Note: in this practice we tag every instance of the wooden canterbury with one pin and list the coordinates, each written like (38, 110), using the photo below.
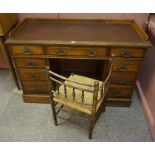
(80, 93)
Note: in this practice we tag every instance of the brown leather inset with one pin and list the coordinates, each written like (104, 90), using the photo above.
(77, 32)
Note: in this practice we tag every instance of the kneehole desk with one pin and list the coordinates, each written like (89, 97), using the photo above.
(80, 46)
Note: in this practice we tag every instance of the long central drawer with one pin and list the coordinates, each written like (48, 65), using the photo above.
(86, 52)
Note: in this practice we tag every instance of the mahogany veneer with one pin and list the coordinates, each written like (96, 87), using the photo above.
(85, 45)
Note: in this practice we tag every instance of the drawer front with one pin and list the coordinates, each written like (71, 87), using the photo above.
(29, 63)
(27, 50)
(118, 102)
(77, 52)
(117, 91)
(127, 53)
(36, 98)
(33, 75)
(35, 87)
(124, 66)
(123, 78)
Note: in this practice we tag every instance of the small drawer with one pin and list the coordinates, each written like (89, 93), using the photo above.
(35, 87)
(127, 53)
(27, 50)
(77, 52)
(123, 78)
(29, 63)
(119, 102)
(33, 75)
(117, 91)
(125, 66)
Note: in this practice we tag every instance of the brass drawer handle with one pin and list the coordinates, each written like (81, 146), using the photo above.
(31, 64)
(116, 94)
(91, 53)
(27, 50)
(123, 68)
(60, 52)
(126, 54)
(34, 77)
(121, 81)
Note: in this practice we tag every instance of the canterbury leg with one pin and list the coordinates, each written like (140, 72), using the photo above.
(93, 120)
(54, 114)
(103, 106)
(103, 109)
(91, 127)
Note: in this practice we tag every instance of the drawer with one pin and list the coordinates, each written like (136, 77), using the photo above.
(118, 102)
(117, 91)
(123, 66)
(27, 50)
(33, 74)
(127, 52)
(29, 63)
(36, 98)
(77, 52)
(35, 87)
(123, 78)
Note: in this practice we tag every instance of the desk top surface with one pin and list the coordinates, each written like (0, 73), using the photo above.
(78, 31)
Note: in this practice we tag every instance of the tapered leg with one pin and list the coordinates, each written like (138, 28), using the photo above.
(90, 134)
(91, 127)
(54, 114)
(103, 109)
(93, 120)
(103, 106)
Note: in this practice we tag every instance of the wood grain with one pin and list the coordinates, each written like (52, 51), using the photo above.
(26, 50)
(29, 63)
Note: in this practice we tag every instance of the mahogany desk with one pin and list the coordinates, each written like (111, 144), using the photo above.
(81, 46)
